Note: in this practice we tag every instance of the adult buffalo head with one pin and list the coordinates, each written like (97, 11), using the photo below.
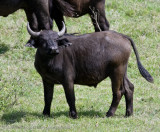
(46, 40)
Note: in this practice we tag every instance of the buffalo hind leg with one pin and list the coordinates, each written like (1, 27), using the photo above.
(58, 20)
(100, 22)
(57, 15)
(32, 19)
(48, 96)
(117, 89)
(70, 96)
(129, 89)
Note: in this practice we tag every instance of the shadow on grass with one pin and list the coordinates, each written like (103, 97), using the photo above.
(90, 113)
(3, 48)
(16, 116)
(13, 117)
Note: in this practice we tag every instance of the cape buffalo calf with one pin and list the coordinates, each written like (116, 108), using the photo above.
(90, 59)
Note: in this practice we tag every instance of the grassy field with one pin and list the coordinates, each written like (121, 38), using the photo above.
(21, 92)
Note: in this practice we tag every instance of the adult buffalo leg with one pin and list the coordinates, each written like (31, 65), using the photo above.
(129, 89)
(100, 22)
(38, 18)
(48, 96)
(58, 20)
(42, 14)
(58, 17)
(117, 89)
(70, 96)
(32, 19)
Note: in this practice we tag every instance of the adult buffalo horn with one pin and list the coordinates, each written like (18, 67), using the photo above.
(32, 33)
(62, 31)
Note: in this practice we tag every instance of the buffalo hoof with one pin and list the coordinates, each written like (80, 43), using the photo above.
(109, 114)
(73, 115)
(128, 113)
(46, 113)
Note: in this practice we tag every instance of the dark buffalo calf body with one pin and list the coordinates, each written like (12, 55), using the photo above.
(90, 59)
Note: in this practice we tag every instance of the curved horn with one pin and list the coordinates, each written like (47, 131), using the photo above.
(62, 31)
(32, 33)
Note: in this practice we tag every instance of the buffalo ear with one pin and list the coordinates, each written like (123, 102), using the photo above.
(64, 42)
(31, 43)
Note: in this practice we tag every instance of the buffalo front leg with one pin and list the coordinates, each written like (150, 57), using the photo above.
(70, 96)
(48, 96)
(41, 11)
(31, 17)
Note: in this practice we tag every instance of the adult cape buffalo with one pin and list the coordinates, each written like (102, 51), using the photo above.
(90, 59)
(95, 8)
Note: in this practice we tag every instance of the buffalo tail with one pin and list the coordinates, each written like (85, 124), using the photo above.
(142, 70)
(66, 8)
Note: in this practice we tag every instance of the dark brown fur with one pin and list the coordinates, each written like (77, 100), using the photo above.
(80, 8)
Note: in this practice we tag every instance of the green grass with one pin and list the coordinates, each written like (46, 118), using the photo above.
(21, 92)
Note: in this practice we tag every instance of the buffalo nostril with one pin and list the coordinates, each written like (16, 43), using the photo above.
(57, 51)
(53, 48)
